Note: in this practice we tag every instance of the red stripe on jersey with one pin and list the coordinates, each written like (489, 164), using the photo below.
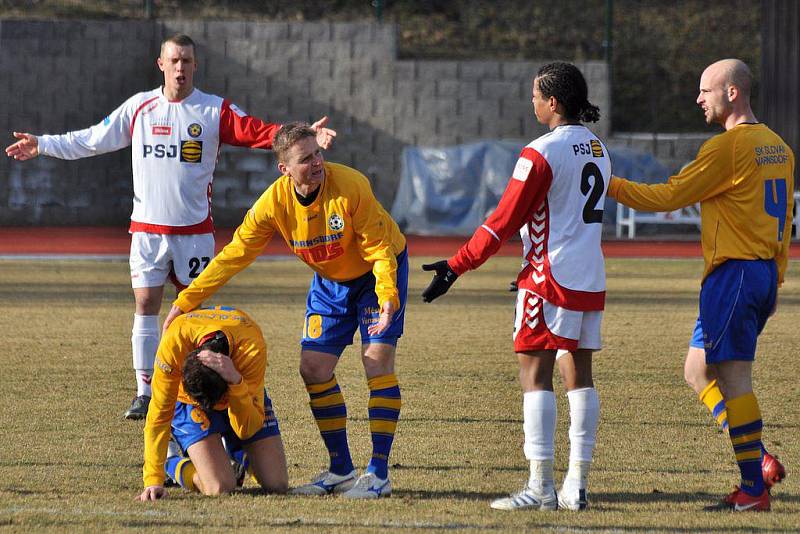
(205, 227)
(526, 189)
(136, 113)
(245, 131)
(538, 278)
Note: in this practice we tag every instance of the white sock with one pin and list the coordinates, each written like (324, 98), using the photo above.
(539, 424)
(144, 342)
(584, 414)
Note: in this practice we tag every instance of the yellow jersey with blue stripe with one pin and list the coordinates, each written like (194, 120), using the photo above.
(744, 181)
(342, 235)
(244, 401)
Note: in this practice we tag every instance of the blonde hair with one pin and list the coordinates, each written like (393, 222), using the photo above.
(289, 134)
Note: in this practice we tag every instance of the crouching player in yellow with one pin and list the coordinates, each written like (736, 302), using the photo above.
(330, 219)
(208, 390)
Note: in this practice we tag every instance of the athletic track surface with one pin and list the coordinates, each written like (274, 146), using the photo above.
(115, 241)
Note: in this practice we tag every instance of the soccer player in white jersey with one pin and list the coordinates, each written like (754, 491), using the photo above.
(555, 200)
(175, 132)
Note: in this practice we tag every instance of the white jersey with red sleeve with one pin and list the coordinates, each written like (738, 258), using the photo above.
(174, 149)
(555, 200)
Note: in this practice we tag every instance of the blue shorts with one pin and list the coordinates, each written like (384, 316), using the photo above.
(735, 302)
(190, 425)
(335, 310)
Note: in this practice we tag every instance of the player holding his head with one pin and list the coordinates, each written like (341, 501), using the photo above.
(330, 219)
(744, 180)
(208, 391)
(175, 132)
(554, 199)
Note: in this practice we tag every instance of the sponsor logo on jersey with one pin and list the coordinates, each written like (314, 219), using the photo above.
(522, 169)
(597, 148)
(320, 253)
(307, 243)
(192, 151)
(592, 148)
(335, 222)
(159, 151)
(194, 130)
(161, 130)
(237, 110)
(163, 366)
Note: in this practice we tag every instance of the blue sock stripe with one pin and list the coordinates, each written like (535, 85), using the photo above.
(750, 446)
(718, 409)
(330, 412)
(749, 428)
(170, 465)
(332, 391)
(338, 431)
(386, 414)
(390, 393)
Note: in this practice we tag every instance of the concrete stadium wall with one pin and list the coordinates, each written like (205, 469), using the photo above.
(57, 76)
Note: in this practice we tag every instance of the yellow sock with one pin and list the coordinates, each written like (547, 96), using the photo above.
(186, 471)
(711, 396)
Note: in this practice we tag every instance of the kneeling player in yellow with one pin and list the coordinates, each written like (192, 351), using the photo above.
(208, 388)
(331, 220)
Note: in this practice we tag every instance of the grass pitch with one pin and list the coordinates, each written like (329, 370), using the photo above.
(68, 461)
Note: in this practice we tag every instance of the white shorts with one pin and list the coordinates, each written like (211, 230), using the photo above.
(157, 257)
(540, 325)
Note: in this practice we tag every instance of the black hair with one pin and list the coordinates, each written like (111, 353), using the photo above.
(201, 383)
(566, 83)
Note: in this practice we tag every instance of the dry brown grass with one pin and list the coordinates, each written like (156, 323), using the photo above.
(69, 461)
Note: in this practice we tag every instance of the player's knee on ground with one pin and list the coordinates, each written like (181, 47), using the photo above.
(276, 483)
(268, 464)
(215, 486)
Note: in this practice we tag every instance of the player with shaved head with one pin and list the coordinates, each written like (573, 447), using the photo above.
(744, 181)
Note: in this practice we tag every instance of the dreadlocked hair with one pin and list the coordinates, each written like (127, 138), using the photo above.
(566, 83)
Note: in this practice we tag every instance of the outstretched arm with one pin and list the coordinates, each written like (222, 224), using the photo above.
(26, 148)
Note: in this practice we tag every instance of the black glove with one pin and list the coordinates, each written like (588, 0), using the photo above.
(441, 282)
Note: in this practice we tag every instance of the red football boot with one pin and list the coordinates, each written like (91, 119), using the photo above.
(772, 470)
(739, 501)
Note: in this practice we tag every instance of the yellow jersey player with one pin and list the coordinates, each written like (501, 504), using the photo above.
(743, 179)
(330, 219)
(208, 390)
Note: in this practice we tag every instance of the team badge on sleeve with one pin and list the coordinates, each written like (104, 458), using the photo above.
(163, 366)
(522, 169)
(237, 110)
(194, 129)
(335, 222)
